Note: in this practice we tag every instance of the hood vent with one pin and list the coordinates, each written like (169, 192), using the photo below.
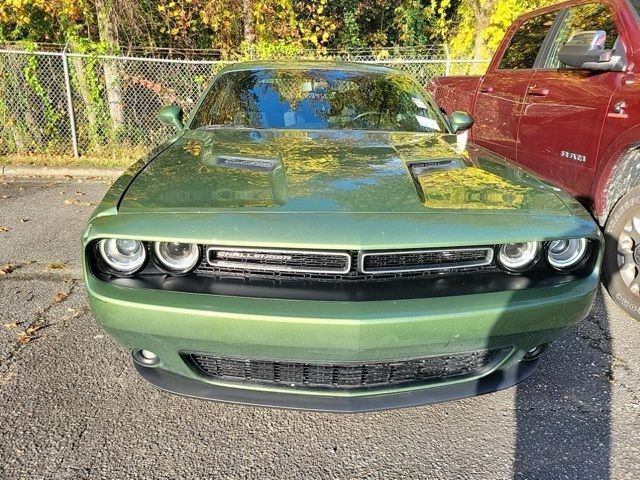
(419, 168)
(252, 164)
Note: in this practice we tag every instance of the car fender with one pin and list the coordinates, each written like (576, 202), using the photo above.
(110, 203)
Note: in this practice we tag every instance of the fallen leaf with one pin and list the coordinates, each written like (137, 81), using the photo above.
(6, 378)
(57, 266)
(5, 196)
(3, 229)
(6, 269)
(74, 201)
(79, 193)
(24, 338)
(24, 220)
(29, 334)
(61, 297)
(10, 325)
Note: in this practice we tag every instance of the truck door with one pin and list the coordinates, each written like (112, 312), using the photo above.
(501, 93)
(565, 108)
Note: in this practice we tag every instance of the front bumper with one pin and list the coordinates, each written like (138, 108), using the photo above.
(180, 385)
(168, 323)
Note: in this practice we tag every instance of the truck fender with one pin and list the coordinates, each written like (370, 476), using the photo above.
(620, 172)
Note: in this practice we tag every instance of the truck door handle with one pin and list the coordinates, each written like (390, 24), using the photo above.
(486, 89)
(538, 91)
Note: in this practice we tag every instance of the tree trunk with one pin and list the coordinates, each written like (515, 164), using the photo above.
(248, 20)
(108, 33)
(482, 14)
(88, 107)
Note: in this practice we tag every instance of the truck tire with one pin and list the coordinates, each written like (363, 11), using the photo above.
(621, 263)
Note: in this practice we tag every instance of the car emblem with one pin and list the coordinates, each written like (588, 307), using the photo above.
(252, 256)
(573, 156)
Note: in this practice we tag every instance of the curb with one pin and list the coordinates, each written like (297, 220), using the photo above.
(37, 171)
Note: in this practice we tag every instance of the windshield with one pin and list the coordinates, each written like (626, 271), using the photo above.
(318, 99)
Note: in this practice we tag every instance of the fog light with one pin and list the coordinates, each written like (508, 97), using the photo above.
(146, 358)
(148, 355)
(535, 352)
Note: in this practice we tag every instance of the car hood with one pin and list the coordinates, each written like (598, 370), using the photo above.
(293, 171)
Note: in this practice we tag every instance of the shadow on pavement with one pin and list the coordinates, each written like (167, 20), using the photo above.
(562, 411)
(563, 423)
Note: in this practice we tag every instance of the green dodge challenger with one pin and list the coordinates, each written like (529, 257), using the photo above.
(318, 236)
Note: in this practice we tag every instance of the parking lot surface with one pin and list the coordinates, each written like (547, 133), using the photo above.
(71, 405)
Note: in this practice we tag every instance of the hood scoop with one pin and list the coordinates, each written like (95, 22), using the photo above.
(421, 168)
(247, 163)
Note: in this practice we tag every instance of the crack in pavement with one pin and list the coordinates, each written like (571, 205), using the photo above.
(615, 362)
(39, 322)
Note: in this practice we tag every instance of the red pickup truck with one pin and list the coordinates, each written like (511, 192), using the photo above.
(561, 98)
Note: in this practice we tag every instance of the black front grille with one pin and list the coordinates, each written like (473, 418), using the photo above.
(342, 266)
(286, 261)
(387, 262)
(343, 376)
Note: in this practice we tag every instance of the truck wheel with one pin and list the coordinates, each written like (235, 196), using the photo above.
(621, 264)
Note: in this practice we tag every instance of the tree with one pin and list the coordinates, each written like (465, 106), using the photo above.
(108, 33)
(248, 21)
(481, 25)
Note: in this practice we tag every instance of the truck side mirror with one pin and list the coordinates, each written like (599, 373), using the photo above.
(171, 115)
(460, 121)
(586, 50)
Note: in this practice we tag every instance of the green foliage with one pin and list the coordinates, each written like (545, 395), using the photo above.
(51, 115)
(283, 29)
(316, 24)
(86, 78)
(350, 35)
(483, 23)
(473, 27)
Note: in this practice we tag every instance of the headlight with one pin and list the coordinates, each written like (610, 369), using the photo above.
(177, 257)
(122, 255)
(568, 253)
(517, 257)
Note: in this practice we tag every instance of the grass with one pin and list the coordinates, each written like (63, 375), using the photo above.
(53, 160)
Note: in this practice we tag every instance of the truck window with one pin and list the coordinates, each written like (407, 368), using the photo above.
(592, 16)
(526, 42)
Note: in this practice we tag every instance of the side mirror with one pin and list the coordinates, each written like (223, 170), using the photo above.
(586, 50)
(460, 121)
(171, 115)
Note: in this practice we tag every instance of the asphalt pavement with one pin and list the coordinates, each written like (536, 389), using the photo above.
(72, 406)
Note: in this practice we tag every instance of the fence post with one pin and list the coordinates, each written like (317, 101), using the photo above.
(447, 65)
(67, 84)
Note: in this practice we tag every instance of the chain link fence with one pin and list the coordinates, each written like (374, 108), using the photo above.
(65, 103)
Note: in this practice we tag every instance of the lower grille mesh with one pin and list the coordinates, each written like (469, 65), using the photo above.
(343, 376)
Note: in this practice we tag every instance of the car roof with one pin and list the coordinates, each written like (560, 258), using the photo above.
(311, 65)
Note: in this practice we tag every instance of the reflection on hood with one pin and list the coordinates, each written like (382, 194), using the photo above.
(249, 170)
(470, 187)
